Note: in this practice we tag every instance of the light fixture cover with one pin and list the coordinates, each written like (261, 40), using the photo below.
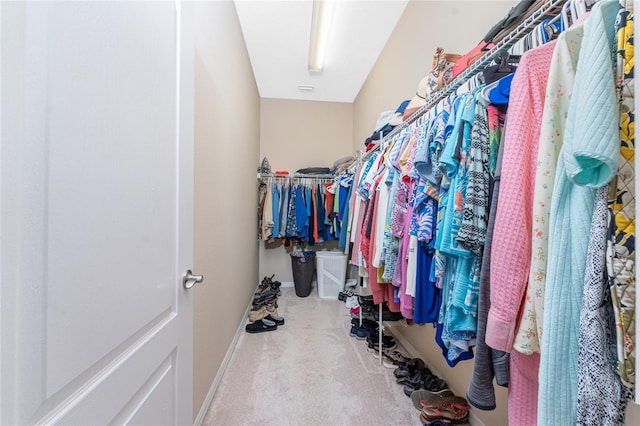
(320, 27)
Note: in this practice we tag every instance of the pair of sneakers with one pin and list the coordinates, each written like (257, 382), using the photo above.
(363, 331)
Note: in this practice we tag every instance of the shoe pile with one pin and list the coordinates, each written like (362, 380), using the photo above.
(263, 315)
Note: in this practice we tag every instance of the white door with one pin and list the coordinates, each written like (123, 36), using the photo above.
(96, 212)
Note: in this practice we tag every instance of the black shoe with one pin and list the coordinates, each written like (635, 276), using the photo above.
(373, 347)
(365, 332)
(417, 381)
(409, 368)
(277, 320)
(434, 383)
(388, 340)
(365, 323)
(366, 301)
(261, 326)
(354, 331)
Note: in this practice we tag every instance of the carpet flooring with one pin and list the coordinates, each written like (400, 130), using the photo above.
(308, 372)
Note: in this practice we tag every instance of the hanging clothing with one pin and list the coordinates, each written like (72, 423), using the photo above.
(602, 397)
(473, 228)
(275, 212)
(589, 159)
(267, 215)
(621, 242)
(558, 94)
(489, 363)
(511, 245)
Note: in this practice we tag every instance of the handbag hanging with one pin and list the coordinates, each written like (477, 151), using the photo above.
(470, 57)
(440, 75)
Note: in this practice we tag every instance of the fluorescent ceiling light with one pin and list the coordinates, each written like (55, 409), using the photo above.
(320, 27)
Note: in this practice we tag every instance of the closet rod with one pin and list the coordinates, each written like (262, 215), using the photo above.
(545, 10)
(296, 176)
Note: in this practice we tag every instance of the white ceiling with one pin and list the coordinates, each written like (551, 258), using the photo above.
(277, 37)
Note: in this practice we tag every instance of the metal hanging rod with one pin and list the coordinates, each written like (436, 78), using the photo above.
(544, 11)
(296, 176)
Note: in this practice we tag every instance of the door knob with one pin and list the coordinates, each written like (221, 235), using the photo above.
(189, 280)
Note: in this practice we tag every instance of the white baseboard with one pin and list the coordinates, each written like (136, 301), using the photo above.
(291, 284)
(474, 420)
(223, 367)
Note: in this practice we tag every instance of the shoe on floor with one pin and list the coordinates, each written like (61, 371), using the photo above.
(375, 347)
(261, 326)
(365, 323)
(434, 384)
(276, 319)
(373, 338)
(448, 408)
(422, 397)
(365, 332)
(257, 314)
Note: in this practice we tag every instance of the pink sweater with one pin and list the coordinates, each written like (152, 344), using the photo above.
(511, 245)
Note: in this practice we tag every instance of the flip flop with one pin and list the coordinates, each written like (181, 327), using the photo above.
(422, 397)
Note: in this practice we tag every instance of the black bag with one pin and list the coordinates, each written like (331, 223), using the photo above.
(515, 12)
(315, 171)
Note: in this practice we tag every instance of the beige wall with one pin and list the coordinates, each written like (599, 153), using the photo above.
(298, 134)
(227, 115)
(457, 27)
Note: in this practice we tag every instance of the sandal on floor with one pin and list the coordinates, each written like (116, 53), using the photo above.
(422, 397)
(450, 408)
(261, 326)
(409, 368)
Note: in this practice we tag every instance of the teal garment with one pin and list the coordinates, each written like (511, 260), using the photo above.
(453, 213)
(449, 166)
(588, 159)
(461, 310)
(275, 210)
(450, 160)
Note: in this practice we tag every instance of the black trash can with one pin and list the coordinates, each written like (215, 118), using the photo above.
(303, 269)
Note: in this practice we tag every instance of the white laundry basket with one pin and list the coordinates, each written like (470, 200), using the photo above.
(332, 273)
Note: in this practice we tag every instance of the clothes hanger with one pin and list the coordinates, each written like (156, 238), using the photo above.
(552, 27)
(536, 36)
(566, 15)
(580, 7)
(506, 63)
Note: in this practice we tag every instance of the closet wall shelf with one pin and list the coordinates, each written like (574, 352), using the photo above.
(548, 9)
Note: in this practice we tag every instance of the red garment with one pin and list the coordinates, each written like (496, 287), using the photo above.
(328, 204)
